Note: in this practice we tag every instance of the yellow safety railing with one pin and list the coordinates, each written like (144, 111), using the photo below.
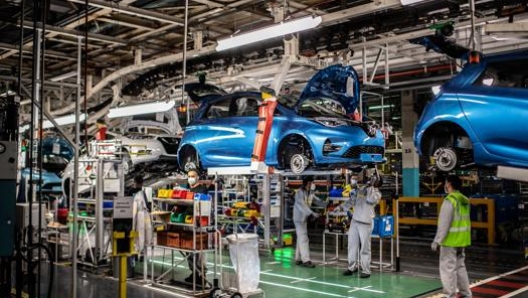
(489, 225)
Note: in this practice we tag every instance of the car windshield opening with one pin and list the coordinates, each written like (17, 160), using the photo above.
(321, 107)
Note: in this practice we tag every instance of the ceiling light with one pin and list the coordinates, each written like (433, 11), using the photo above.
(410, 2)
(276, 30)
(64, 120)
(141, 109)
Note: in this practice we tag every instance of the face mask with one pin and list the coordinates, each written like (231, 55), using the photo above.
(192, 180)
(446, 190)
(312, 187)
(353, 181)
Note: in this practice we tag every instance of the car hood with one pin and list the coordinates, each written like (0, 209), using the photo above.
(338, 82)
(199, 92)
(443, 45)
(57, 146)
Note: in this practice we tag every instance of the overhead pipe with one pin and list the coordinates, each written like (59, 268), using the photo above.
(135, 68)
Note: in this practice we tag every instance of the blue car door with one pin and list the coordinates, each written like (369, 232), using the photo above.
(215, 135)
(244, 111)
(496, 107)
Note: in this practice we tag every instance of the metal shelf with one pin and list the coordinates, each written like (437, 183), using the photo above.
(176, 201)
(183, 249)
(91, 201)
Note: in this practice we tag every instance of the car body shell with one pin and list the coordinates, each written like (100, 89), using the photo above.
(142, 149)
(493, 117)
(229, 141)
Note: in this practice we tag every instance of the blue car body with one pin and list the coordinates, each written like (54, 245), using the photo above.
(316, 126)
(56, 153)
(479, 116)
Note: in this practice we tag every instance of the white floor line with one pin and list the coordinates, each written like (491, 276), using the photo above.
(301, 280)
(302, 289)
(498, 276)
(267, 272)
(367, 288)
(519, 291)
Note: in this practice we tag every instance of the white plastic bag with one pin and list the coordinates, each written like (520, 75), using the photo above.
(243, 250)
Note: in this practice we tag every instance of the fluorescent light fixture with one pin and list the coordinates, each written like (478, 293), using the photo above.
(410, 2)
(276, 30)
(141, 109)
(64, 120)
(379, 107)
(64, 76)
(436, 89)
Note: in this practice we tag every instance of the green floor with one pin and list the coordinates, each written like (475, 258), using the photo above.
(281, 278)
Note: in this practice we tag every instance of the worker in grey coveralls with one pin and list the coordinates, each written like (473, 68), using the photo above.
(453, 235)
(363, 199)
(301, 213)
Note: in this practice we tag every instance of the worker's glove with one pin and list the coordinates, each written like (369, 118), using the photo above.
(434, 246)
(338, 208)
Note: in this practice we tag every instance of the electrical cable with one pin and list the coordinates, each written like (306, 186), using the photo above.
(50, 257)
(18, 261)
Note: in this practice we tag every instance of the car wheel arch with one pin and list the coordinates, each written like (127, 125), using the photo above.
(283, 142)
(183, 151)
(444, 129)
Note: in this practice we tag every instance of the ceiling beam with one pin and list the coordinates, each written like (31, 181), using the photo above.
(133, 11)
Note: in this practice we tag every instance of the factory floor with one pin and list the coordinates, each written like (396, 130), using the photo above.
(279, 277)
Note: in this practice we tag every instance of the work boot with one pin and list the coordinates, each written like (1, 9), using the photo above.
(308, 264)
(364, 275)
(189, 278)
(298, 262)
(350, 272)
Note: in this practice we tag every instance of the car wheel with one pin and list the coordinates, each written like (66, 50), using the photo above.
(191, 160)
(298, 163)
(446, 159)
(128, 166)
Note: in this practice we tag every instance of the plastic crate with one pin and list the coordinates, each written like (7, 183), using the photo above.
(179, 194)
(201, 197)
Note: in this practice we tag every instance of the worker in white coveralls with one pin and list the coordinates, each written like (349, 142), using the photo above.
(301, 213)
(142, 218)
(453, 235)
(363, 199)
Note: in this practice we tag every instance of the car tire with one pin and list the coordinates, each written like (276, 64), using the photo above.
(446, 159)
(128, 166)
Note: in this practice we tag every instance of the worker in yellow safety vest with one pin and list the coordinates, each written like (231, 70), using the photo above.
(453, 235)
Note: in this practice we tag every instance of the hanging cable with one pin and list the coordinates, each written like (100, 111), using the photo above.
(44, 17)
(34, 94)
(18, 259)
